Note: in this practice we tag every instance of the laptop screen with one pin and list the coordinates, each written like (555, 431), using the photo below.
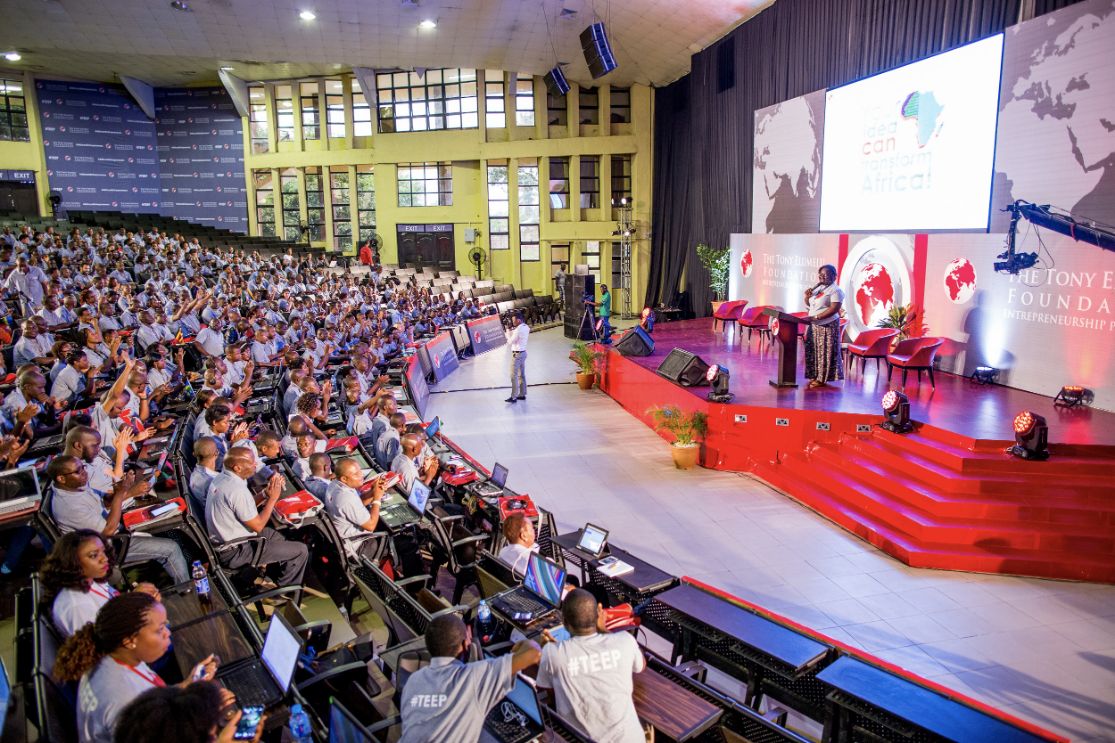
(499, 475)
(419, 494)
(545, 579)
(16, 483)
(433, 428)
(281, 648)
(592, 539)
(344, 728)
(5, 694)
(524, 697)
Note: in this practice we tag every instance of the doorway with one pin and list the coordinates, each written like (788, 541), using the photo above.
(426, 245)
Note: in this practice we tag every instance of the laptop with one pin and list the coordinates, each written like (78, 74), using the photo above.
(518, 717)
(594, 540)
(46, 443)
(540, 593)
(344, 727)
(19, 490)
(493, 486)
(264, 681)
(5, 695)
(396, 513)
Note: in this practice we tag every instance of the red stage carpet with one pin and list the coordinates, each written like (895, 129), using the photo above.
(945, 496)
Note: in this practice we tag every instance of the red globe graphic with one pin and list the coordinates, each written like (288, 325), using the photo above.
(960, 280)
(746, 262)
(874, 293)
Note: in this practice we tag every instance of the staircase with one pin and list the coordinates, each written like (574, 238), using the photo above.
(935, 499)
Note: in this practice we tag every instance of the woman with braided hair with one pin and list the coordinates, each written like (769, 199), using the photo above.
(110, 657)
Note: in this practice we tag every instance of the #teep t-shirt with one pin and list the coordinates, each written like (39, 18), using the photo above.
(448, 700)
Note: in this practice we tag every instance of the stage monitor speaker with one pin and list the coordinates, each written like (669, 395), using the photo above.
(556, 84)
(598, 53)
(684, 367)
(636, 342)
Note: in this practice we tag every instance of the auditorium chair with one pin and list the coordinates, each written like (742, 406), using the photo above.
(871, 344)
(914, 353)
(753, 319)
(728, 311)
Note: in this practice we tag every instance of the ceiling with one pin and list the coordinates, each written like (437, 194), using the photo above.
(265, 39)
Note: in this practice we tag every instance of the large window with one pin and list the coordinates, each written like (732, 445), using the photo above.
(311, 111)
(13, 112)
(439, 99)
(499, 208)
(315, 204)
(590, 106)
(590, 181)
(621, 178)
(621, 106)
(591, 257)
(335, 108)
(559, 182)
(361, 112)
(557, 111)
(292, 219)
(284, 112)
(257, 118)
(529, 213)
(265, 202)
(342, 212)
(495, 110)
(524, 100)
(425, 184)
(365, 200)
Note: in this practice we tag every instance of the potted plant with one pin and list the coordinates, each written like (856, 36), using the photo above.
(906, 319)
(586, 358)
(715, 261)
(686, 426)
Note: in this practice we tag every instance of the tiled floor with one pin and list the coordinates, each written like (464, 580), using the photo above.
(1043, 650)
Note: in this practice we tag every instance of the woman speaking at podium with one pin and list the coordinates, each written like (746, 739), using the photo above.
(823, 363)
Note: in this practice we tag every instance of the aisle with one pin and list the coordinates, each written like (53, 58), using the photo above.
(1043, 650)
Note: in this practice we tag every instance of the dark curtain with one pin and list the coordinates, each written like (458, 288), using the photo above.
(703, 135)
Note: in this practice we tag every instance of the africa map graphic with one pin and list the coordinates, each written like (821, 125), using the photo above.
(926, 111)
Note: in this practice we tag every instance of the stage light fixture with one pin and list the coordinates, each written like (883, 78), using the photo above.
(1073, 395)
(718, 376)
(13, 56)
(1031, 436)
(307, 15)
(984, 375)
(428, 24)
(896, 410)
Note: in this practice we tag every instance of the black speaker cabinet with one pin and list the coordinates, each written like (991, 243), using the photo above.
(598, 53)
(556, 84)
(685, 368)
(576, 288)
(636, 342)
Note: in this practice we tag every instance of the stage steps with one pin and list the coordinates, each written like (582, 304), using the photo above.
(932, 499)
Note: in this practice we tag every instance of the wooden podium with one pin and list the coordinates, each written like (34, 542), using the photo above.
(787, 340)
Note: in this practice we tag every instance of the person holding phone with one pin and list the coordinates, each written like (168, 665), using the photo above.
(109, 658)
(200, 713)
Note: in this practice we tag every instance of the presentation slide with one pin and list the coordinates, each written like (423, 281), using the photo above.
(913, 149)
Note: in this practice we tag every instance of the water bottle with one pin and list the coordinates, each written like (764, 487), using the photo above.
(484, 622)
(300, 728)
(201, 582)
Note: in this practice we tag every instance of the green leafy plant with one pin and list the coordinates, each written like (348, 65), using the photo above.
(686, 426)
(585, 357)
(715, 260)
(906, 319)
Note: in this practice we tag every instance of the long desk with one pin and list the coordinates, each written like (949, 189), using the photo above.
(772, 658)
(879, 696)
(643, 582)
(673, 710)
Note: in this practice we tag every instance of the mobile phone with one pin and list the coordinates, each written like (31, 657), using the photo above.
(249, 721)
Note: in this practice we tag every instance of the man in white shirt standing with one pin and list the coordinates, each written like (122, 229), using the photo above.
(518, 340)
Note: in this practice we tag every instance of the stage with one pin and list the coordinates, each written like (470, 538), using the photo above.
(944, 496)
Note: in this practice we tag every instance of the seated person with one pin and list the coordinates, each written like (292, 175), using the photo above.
(75, 506)
(389, 443)
(110, 657)
(104, 470)
(75, 380)
(321, 474)
(32, 346)
(206, 453)
(231, 513)
(406, 466)
(74, 580)
(354, 514)
(306, 444)
(448, 700)
(200, 713)
(591, 673)
(518, 530)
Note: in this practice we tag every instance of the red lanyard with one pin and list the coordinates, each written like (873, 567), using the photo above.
(153, 679)
(106, 594)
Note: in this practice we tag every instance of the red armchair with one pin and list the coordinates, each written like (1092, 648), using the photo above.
(753, 319)
(871, 344)
(914, 353)
(728, 311)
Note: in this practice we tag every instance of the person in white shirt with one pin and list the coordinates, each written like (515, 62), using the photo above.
(32, 346)
(29, 283)
(352, 513)
(518, 341)
(74, 580)
(521, 544)
(211, 341)
(321, 474)
(75, 379)
(205, 453)
(406, 465)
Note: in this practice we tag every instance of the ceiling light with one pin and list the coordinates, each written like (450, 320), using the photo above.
(180, 5)
(227, 68)
(13, 56)
(428, 24)
(308, 15)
